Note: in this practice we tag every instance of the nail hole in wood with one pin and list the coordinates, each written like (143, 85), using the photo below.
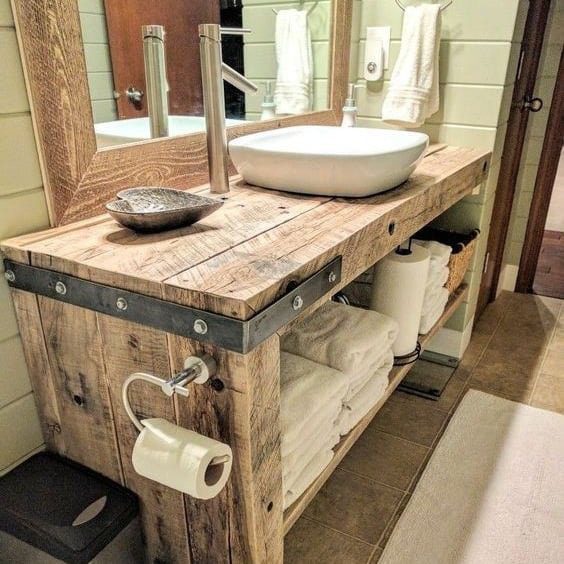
(78, 400)
(269, 507)
(485, 167)
(392, 228)
(217, 385)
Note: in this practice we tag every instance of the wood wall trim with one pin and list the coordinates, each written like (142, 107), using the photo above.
(544, 184)
(80, 179)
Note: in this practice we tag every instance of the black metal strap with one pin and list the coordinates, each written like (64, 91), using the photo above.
(226, 332)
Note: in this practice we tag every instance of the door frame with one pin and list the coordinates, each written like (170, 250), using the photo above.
(525, 82)
(544, 184)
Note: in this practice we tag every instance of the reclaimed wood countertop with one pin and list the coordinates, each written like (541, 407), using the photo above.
(241, 258)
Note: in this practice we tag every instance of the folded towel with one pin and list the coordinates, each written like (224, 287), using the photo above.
(308, 392)
(346, 338)
(323, 419)
(440, 254)
(437, 278)
(294, 83)
(430, 318)
(293, 465)
(413, 95)
(358, 406)
(308, 475)
(433, 300)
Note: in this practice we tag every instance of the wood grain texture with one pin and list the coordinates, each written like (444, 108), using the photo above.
(78, 375)
(292, 514)
(244, 522)
(128, 348)
(79, 179)
(55, 68)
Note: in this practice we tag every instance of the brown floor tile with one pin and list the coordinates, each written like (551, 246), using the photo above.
(309, 542)
(386, 459)
(417, 422)
(354, 505)
(376, 555)
(549, 393)
(393, 522)
(554, 360)
(507, 372)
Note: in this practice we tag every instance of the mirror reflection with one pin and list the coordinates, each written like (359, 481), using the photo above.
(146, 53)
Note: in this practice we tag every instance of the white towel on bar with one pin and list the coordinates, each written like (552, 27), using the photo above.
(309, 393)
(429, 318)
(294, 82)
(413, 94)
(319, 462)
(358, 406)
(292, 466)
(347, 338)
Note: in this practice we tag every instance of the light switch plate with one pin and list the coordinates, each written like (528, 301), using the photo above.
(383, 34)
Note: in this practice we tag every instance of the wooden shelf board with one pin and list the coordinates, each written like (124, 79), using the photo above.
(293, 512)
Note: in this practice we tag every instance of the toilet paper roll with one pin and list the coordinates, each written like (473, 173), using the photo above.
(181, 459)
(398, 291)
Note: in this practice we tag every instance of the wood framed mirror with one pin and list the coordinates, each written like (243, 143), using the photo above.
(80, 178)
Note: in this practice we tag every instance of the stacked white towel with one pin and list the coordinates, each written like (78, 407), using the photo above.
(355, 341)
(436, 295)
(294, 82)
(310, 403)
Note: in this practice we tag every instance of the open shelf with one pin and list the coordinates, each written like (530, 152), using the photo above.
(293, 512)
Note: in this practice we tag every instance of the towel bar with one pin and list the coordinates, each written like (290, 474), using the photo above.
(444, 7)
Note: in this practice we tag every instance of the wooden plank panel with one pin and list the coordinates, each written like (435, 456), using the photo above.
(244, 522)
(255, 273)
(127, 348)
(75, 356)
(35, 351)
(292, 514)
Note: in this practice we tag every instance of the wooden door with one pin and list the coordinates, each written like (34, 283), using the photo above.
(511, 158)
(180, 19)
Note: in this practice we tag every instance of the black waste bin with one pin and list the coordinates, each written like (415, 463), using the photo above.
(53, 510)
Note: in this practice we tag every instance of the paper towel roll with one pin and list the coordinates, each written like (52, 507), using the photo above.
(181, 459)
(398, 291)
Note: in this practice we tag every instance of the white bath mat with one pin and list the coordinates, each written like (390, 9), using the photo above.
(492, 493)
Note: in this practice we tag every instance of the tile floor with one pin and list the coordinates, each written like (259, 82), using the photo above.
(517, 352)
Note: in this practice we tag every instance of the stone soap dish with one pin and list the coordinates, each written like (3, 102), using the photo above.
(149, 210)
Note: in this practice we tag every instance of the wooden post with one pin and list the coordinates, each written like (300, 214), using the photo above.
(241, 407)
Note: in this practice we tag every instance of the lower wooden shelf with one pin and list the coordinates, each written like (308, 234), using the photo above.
(293, 512)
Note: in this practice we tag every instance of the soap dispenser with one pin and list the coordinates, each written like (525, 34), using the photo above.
(268, 106)
(350, 110)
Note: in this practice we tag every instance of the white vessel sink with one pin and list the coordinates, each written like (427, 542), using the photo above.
(330, 161)
(124, 131)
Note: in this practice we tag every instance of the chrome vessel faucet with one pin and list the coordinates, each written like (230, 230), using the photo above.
(214, 71)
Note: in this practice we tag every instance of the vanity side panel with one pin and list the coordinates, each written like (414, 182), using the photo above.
(128, 348)
(35, 352)
(244, 523)
(74, 349)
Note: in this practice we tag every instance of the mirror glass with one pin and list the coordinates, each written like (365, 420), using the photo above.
(286, 55)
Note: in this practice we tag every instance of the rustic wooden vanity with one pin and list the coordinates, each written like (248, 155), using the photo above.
(239, 272)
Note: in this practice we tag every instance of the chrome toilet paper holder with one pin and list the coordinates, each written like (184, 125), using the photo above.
(196, 369)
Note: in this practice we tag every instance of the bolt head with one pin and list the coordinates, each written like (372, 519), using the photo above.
(60, 288)
(298, 303)
(121, 304)
(332, 277)
(200, 327)
(10, 276)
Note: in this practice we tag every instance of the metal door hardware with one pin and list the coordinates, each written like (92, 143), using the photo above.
(532, 104)
(226, 332)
